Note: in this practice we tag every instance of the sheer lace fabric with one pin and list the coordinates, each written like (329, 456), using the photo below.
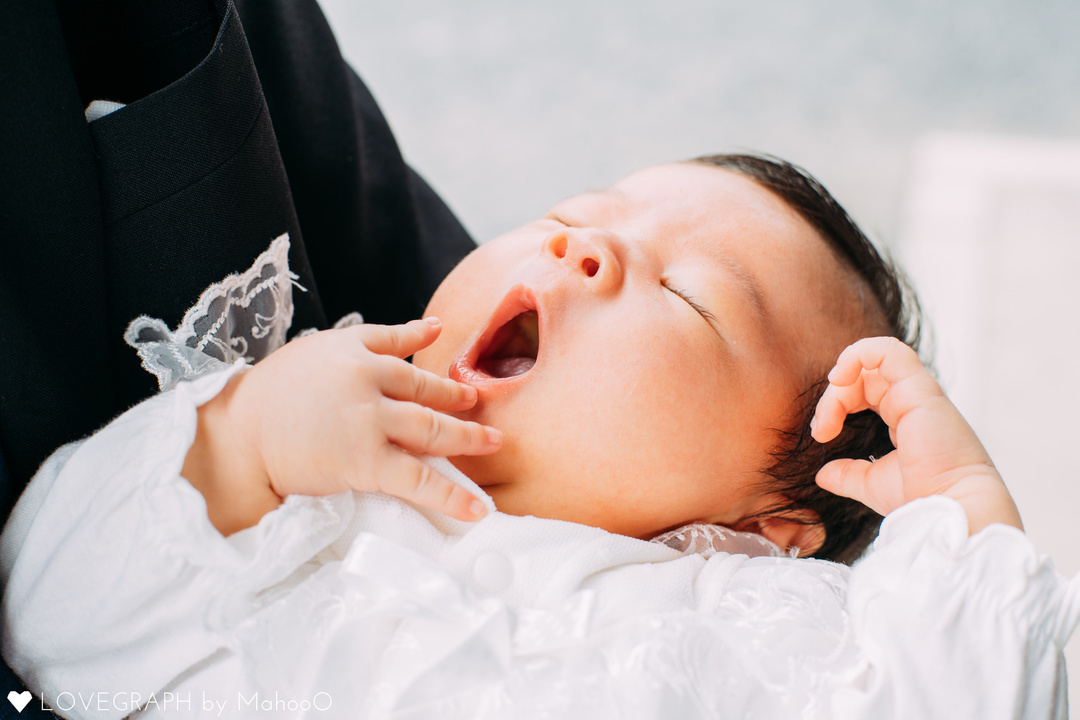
(245, 316)
(707, 540)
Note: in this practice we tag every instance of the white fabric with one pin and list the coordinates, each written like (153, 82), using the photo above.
(100, 108)
(119, 592)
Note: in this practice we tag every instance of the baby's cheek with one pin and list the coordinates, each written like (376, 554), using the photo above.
(430, 359)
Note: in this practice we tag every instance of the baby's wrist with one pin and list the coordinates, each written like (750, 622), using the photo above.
(235, 487)
(986, 502)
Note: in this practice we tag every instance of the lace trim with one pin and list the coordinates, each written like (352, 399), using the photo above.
(353, 318)
(707, 540)
(245, 316)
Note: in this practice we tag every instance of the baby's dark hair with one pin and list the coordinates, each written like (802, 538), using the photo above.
(849, 525)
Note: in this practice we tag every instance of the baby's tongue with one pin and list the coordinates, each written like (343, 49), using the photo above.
(510, 366)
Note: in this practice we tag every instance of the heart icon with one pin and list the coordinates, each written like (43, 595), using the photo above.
(19, 700)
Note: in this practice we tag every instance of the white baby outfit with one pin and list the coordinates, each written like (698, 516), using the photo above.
(121, 594)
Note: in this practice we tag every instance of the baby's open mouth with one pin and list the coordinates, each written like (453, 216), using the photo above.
(507, 349)
(513, 349)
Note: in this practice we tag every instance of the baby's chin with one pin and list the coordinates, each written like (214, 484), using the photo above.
(513, 499)
(492, 474)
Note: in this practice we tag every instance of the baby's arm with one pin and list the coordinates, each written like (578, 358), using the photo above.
(331, 412)
(937, 452)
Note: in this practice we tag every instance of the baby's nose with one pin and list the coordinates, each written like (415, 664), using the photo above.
(592, 253)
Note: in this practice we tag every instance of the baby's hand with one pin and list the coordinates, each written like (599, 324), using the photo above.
(334, 411)
(937, 452)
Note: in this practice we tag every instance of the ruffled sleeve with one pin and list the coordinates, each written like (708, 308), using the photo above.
(115, 578)
(957, 626)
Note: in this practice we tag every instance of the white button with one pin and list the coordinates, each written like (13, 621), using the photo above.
(493, 571)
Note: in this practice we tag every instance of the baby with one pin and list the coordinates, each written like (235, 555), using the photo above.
(641, 358)
(706, 342)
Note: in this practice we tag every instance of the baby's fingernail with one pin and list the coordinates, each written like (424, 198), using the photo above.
(494, 437)
(433, 321)
(477, 509)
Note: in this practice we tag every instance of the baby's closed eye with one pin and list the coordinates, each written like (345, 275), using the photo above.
(689, 300)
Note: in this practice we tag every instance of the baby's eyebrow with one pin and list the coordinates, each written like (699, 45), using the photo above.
(748, 282)
(604, 189)
(610, 190)
(604, 192)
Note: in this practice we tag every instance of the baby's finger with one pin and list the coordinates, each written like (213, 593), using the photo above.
(398, 340)
(401, 380)
(845, 477)
(406, 477)
(893, 360)
(874, 484)
(900, 381)
(836, 403)
(422, 430)
(874, 387)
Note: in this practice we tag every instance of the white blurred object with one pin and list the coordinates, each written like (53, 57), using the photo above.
(991, 240)
(98, 109)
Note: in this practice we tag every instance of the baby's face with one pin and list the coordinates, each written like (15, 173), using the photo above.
(639, 346)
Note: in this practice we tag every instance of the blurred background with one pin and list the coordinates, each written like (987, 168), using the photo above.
(950, 131)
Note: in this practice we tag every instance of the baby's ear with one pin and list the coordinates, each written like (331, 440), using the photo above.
(800, 529)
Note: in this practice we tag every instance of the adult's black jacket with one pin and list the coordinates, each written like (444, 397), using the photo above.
(243, 123)
(138, 211)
